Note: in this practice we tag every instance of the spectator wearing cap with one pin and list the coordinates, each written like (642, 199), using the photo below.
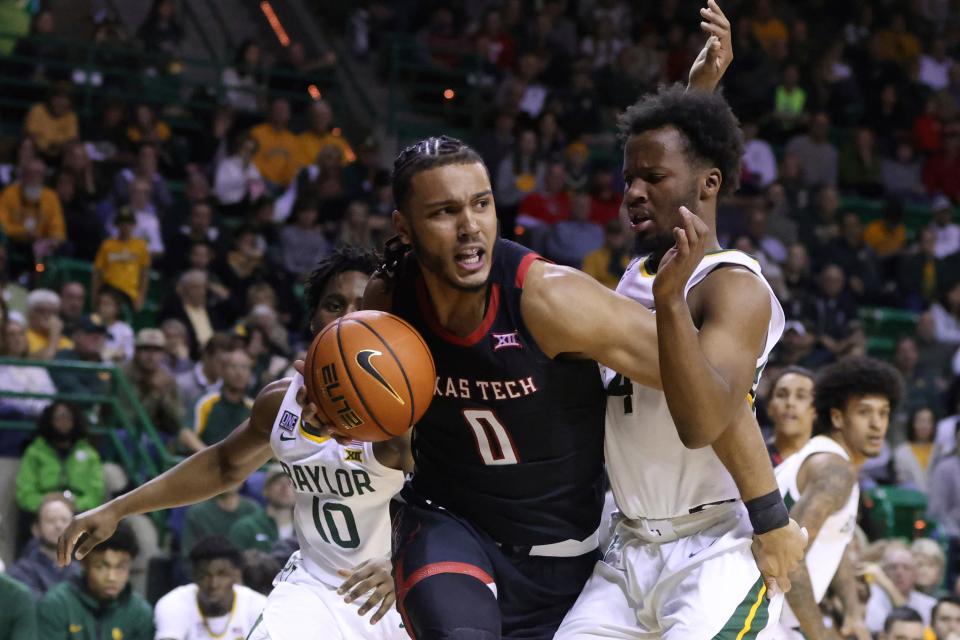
(99, 603)
(608, 263)
(89, 339)
(218, 413)
(31, 215)
(60, 460)
(155, 386)
(947, 232)
(37, 565)
(123, 262)
(44, 326)
(262, 529)
(53, 123)
(279, 154)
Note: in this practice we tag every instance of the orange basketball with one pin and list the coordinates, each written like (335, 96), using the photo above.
(371, 374)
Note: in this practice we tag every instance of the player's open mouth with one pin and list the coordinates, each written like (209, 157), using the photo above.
(471, 259)
(640, 220)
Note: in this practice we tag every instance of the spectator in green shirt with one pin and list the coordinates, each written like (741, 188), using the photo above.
(218, 413)
(60, 460)
(99, 604)
(18, 617)
(215, 516)
(261, 529)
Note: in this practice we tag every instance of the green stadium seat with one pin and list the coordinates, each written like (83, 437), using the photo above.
(897, 513)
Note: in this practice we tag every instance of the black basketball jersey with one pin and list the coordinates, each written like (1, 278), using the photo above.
(513, 440)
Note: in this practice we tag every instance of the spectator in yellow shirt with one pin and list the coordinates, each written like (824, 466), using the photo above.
(123, 263)
(278, 155)
(887, 235)
(31, 217)
(44, 326)
(53, 123)
(608, 263)
(768, 29)
(319, 135)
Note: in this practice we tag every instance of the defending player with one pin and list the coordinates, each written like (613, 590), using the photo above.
(343, 491)
(854, 399)
(680, 565)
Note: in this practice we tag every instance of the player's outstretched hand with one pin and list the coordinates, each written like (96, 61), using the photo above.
(778, 552)
(717, 53)
(678, 263)
(95, 526)
(375, 575)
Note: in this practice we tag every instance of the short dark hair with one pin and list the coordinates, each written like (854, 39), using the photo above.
(900, 614)
(345, 258)
(704, 119)
(855, 376)
(429, 153)
(793, 370)
(122, 540)
(948, 599)
(214, 548)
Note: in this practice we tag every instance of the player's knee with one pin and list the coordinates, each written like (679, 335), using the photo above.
(452, 606)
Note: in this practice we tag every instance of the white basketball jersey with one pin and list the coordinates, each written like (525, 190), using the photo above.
(826, 551)
(342, 515)
(653, 475)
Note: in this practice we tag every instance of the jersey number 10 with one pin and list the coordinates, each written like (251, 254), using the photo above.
(349, 541)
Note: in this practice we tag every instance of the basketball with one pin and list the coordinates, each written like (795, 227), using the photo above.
(371, 374)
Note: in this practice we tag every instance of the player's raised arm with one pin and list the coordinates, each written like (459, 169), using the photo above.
(203, 475)
(717, 52)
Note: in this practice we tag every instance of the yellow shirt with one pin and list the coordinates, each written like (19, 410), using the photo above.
(921, 451)
(769, 32)
(121, 264)
(37, 341)
(311, 144)
(21, 220)
(597, 264)
(48, 131)
(278, 155)
(161, 130)
(884, 240)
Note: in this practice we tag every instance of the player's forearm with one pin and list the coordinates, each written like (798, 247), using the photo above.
(844, 584)
(743, 452)
(202, 476)
(698, 397)
(804, 605)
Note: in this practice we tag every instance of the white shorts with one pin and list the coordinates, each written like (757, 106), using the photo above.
(300, 607)
(658, 582)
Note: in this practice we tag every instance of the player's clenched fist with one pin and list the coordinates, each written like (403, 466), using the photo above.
(778, 552)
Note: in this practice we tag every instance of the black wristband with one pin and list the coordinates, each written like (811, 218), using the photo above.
(767, 513)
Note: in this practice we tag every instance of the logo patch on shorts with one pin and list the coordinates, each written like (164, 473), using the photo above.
(288, 421)
(353, 455)
(507, 341)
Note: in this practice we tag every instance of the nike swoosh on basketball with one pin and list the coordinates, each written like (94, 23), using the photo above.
(363, 359)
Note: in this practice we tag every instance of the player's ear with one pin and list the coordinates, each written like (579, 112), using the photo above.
(836, 418)
(711, 184)
(401, 226)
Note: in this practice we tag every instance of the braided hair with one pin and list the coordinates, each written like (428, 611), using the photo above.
(429, 153)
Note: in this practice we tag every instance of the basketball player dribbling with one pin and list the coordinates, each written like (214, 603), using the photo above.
(498, 533)
(343, 488)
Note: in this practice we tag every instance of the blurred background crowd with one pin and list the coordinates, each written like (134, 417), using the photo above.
(171, 172)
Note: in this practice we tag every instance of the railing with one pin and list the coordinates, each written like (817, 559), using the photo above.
(133, 441)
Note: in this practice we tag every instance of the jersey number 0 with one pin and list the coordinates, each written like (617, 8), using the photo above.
(493, 440)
